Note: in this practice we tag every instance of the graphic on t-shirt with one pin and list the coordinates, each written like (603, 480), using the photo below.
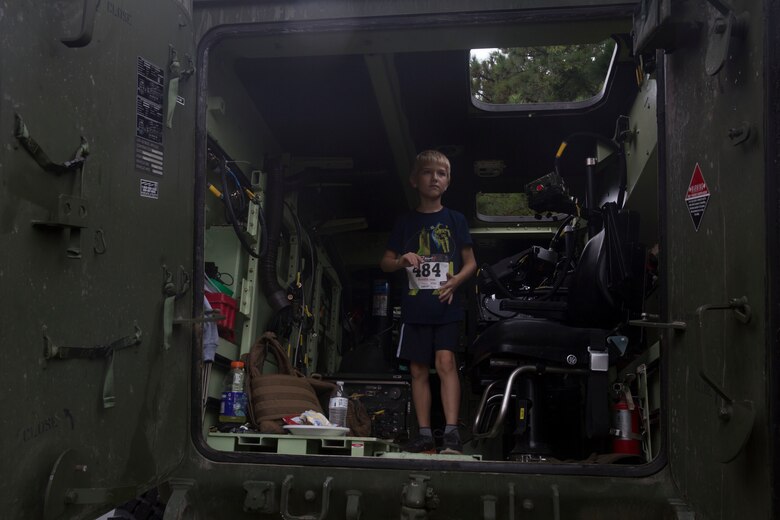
(435, 248)
(437, 236)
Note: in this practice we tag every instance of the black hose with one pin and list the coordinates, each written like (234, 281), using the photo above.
(263, 237)
(298, 233)
(557, 234)
(274, 293)
(231, 213)
(620, 138)
(565, 262)
(501, 287)
(623, 175)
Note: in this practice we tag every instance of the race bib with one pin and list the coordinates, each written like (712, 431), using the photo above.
(430, 275)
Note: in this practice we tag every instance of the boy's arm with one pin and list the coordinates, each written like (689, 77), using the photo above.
(447, 290)
(391, 262)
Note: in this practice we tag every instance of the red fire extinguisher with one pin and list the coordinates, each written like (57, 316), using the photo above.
(625, 425)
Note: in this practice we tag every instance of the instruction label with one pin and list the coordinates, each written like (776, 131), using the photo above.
(150, 92)
(697, 196)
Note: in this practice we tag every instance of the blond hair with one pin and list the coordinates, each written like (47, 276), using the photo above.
(427, 157)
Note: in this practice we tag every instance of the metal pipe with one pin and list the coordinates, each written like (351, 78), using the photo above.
(590, 195)
(523, 369)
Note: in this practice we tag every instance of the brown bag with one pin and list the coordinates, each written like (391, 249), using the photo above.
(273, 396)
(358, 420)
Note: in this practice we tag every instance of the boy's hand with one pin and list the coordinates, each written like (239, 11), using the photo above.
(447, 291)
(410, 260)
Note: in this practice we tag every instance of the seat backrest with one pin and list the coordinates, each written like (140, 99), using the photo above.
(590, 303)
(608, 280)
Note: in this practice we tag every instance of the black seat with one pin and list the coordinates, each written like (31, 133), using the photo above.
(589, 309)
(565, 334)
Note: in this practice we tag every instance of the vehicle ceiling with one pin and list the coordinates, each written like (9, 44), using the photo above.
(380, 108)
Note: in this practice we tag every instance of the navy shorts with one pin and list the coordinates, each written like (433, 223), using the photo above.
(419, 342)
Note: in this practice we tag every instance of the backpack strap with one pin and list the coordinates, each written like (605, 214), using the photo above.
(258, 355)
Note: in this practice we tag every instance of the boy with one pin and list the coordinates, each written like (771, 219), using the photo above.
(434, 246)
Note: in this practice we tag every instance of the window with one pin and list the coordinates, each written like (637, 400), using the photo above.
(503, 207)
(540, 74)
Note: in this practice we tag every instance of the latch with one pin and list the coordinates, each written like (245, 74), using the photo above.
(173, 292)
(657, 25)
(418, 498)
(260, 496)
(722, 29)
(177, 75)
(309, 496)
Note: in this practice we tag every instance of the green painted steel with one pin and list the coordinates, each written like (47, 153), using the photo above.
(98, 257)
(725, 259)
(85, 249)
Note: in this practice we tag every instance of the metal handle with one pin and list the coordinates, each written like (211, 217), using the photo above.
(87, 26)
(650, 320)
(739, 306)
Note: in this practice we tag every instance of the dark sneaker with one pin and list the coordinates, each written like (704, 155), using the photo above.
(420, 444)
(451, 443)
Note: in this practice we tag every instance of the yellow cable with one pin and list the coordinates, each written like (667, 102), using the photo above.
(213, 189)
(561, 149)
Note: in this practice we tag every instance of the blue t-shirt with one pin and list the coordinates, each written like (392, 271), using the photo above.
(439, 239)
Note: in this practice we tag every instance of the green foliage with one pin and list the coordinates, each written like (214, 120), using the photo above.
(503, 204)
(541, 74)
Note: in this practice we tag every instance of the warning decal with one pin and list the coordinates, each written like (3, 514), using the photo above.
(150, 189)
(697, 196)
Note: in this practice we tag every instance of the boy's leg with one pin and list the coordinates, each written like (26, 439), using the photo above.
(416, 346)
(450, 385)
(421, 393)
(450, 399)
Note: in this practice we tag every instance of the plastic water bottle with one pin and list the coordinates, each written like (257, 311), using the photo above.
(233, 405)
(337, 407)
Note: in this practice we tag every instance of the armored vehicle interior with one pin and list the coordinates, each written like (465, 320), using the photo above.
(307, 137)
